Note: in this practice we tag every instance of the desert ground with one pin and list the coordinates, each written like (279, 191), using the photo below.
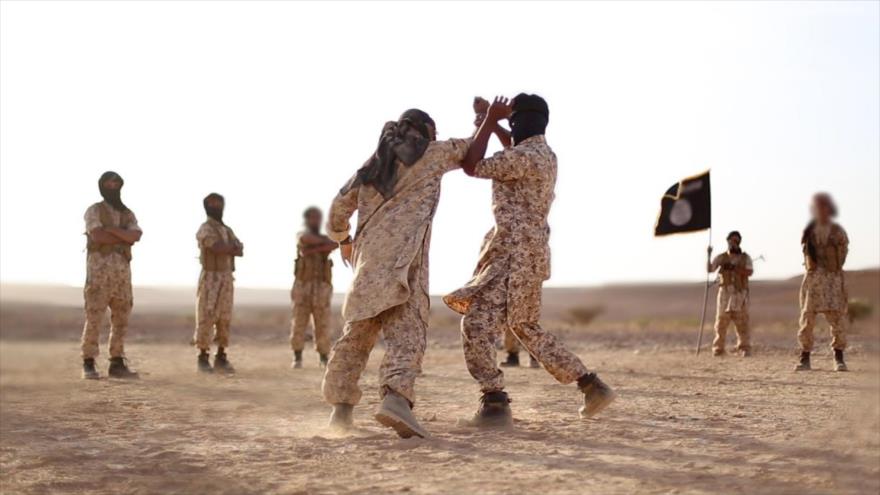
(682, 423)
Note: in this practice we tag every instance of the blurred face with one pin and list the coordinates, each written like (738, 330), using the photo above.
(111, 184)
(215, 203)
(733, 242)
(821, 211)
(313, 220)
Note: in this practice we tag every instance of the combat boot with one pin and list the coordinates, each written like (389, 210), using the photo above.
(597, 395)
(297, 360)
(118, 369)
(322, 361)
(90, 372)
(494, 411)
(804, 364)
(396, 412)
(341, 416)
(512, 360)
(533, 363)
(204, 362)
(221, 362)
(839, 365)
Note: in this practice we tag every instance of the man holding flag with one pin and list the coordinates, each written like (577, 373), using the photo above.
(734, 269)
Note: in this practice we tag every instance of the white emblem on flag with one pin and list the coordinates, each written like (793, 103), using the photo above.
(681, 212)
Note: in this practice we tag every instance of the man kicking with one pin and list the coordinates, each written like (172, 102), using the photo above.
(395, 195)
(505, 291)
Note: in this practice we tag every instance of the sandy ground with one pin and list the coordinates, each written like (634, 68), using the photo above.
(681, 425)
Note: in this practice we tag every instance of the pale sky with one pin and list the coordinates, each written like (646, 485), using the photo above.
(276, 104)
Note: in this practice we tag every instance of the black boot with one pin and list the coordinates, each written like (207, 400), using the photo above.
(204, 362)
(90, 372)
(533, 363)
(341, 416)
(322, 361)
(297, 360)
(839, 365)
(221, 362)
(512, 360)
(597, 395)
(804, 364)
(118, 369)
(494, 411)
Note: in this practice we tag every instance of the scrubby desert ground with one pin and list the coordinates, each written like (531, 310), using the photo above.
(682, 424)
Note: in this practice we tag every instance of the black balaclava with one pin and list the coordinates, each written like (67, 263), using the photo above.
(405, 140)
(735, 233)
(529, 117)
(112, 196)
(215, 213)
(306, 214)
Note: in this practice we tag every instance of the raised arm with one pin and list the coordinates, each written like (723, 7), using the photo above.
(499, 109)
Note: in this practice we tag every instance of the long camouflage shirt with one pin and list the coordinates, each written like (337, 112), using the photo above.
(824, 289)
(393, 236)
(523, 182)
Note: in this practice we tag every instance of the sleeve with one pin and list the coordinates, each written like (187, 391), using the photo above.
(133, 223)
(749, 266)
(343, 207)
(206, 236)
(843, 247)
(454, 151)
(509, 164)
(92, 218)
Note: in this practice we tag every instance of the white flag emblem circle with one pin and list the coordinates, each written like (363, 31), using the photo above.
(681, 212)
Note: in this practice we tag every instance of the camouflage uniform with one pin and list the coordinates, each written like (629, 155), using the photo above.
(108, 281)
(214, 296)
(505, 291)
(823, 289)
(733, 300)
(389, 292)
(311, 293)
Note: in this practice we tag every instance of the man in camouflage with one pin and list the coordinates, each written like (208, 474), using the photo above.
(111, 229)
(395, 195)
(734, 269)
(218, 247)
(823, 290)
(312, 287)
(505, 291)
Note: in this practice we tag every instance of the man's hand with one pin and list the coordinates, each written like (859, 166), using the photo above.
(345, 252)
(500, 109)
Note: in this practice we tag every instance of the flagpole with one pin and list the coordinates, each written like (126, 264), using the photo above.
(705, 295)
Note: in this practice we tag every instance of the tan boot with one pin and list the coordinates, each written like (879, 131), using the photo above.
(597, 395)
(395, 412)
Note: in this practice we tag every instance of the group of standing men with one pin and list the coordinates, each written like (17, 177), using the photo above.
(395, 194)
(823, 290)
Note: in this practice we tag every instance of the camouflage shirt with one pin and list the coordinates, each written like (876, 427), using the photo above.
(394, 234)
(824, 285)
(523, 181)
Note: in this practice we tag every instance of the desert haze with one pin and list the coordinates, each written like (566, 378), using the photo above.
(682, 424)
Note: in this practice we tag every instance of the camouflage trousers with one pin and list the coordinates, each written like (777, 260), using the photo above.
(837, 320)
(510, 343)
(743, 333)
(404, 332)
(481, 327)
(108, 285)
(213, 309)
(311, 301)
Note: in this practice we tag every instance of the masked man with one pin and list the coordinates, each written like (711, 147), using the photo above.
(312, 288)
(111, 229)
(823, 290)
(505, 292)
(218, 248)
(734, 269)
(395, 195)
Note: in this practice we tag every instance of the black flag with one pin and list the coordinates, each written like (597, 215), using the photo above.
(686, 207)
